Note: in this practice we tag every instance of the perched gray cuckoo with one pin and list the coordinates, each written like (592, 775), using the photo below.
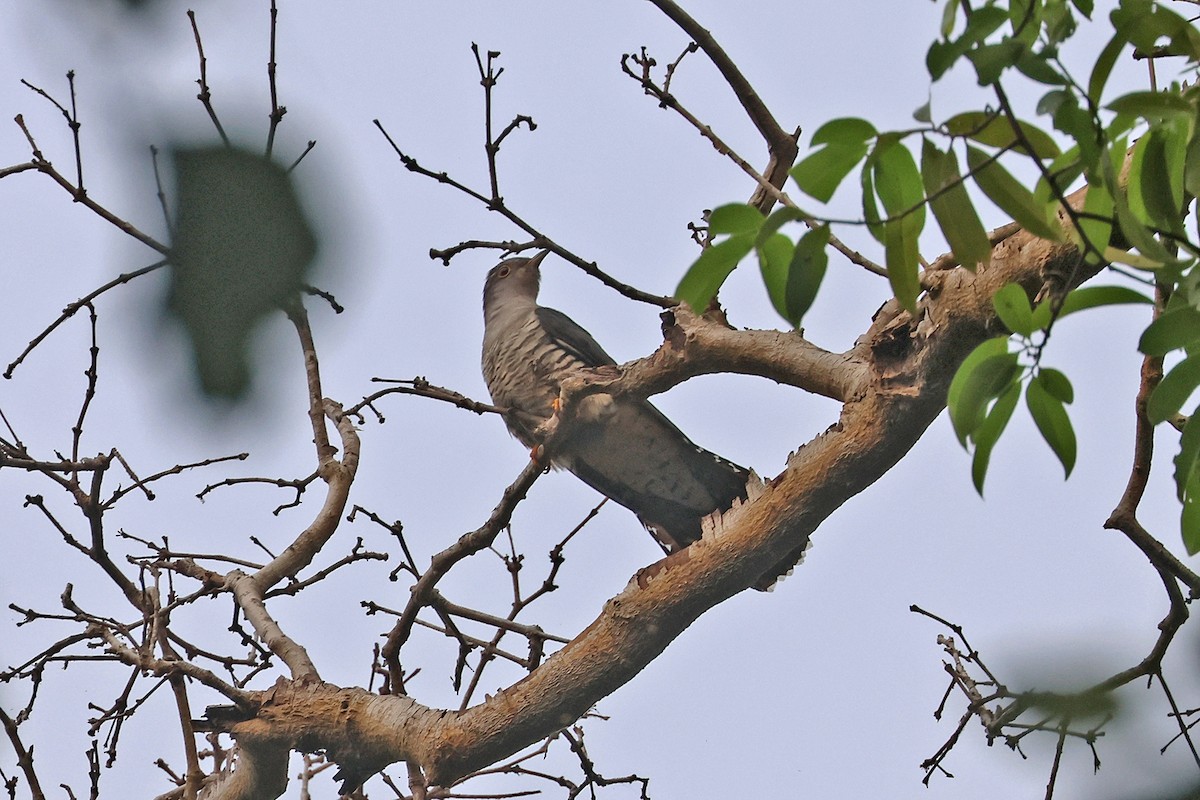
(625, 449)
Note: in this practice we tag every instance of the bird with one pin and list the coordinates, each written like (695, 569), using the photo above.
(624, 448)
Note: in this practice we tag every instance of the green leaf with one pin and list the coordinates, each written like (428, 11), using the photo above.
(1026, 18)
(1080, 125)
(898, 184)
(1085, 7)
(997, 130)
(988, 433)
(1095, 224)
(820, 174)
(844, 130)
(1145, 23)
(774, 260)
(952, 207)
(777, 219)
(1189, 453)
(1104, 66)
(1177, 328)
(981, 23)
(1153, 105)
(806, 272)
(949, 15)
(1057, 385)
(735, 218)
(1191, 172)
(1012, 306)
(898, 181)
(1013, 199)
(984, 374)
(1176, 387)
(990, 60)
(1160, 178)
(901, 257)
(793, 273)
(1038, 67)
(1092, 296)
(1063, 171)
(1052, 421)
(870, 209)
(710, 270)
(924, 112)
(1153, 254)
(1189, 516)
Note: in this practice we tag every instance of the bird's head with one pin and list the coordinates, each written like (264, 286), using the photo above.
(513, 279)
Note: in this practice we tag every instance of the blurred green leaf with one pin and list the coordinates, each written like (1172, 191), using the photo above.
(1189, 453)
(735, 218)
(1095, 223)
(1040, 68)
(1012, 306)
(1177, 328)
(981, 23)
(990, 60)
(1092, 296)
(1174, 390)
(1189, 516)
(1153, 105)
(709, 271)
(1103, 67)
(242, 250)
(870, 208)
(844, 130)
(1057, 384)
(820, 174)
(1161, 176)
(1025, 17)
(1052, 421)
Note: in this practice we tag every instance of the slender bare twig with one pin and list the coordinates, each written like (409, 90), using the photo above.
(468, 544)
(72, 308)
(781, 145)
(24, 756)
(421, 387)
(540, 241)
(205, 95)
(277, 111)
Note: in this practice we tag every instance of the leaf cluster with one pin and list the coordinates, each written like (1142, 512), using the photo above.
(1138, 153)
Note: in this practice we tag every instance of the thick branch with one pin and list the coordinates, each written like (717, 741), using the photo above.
(907, 366)
(695, 345)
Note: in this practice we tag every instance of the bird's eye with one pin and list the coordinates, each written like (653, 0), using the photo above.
(503, 272)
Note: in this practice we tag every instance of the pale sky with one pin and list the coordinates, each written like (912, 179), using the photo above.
(824, 688)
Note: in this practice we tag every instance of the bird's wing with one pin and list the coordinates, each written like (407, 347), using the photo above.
(567, 334)
(640, 459)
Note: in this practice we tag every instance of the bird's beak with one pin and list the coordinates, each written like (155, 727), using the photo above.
(536, 261)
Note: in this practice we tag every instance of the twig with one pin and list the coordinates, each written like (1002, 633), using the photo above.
(74, 307)
(540, 241)
(468, 544)
(277, 111)
(421, 387)
(205, 96)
